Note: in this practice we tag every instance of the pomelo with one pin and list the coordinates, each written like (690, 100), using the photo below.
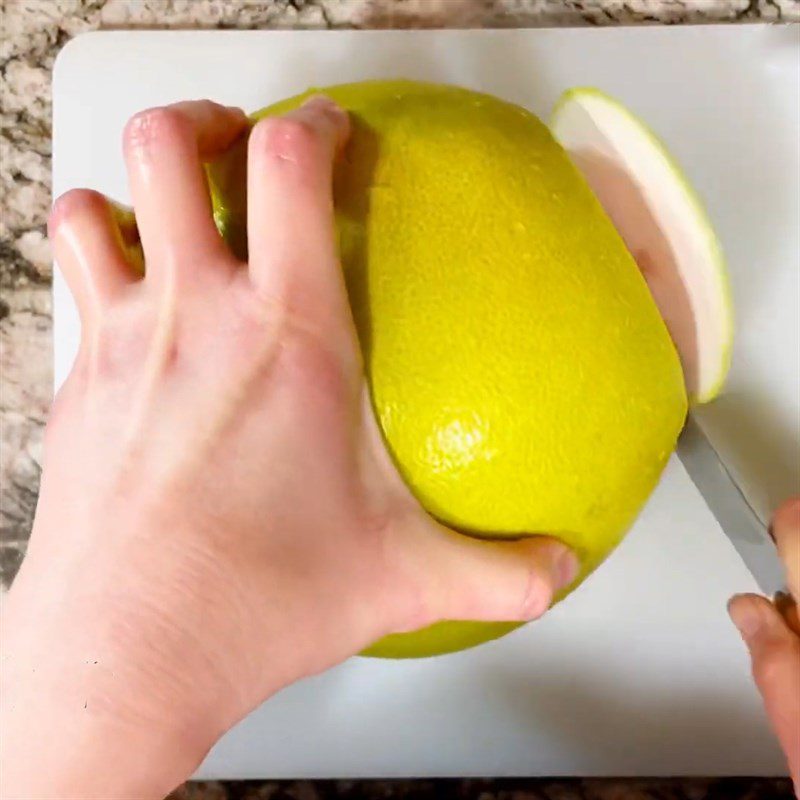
(663, 224)
(520, 370)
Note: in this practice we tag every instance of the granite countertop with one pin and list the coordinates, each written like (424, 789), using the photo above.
(31, 33)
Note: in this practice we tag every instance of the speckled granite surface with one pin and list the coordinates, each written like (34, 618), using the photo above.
(31, 33)
(738, 789)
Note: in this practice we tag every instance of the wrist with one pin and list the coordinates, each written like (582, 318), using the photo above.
(78, 720)
(56, 746)
(66, 755)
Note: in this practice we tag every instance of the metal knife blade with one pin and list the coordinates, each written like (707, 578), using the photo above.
(742, 525)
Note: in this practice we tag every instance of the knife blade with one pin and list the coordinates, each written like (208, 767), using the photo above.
(726, 500)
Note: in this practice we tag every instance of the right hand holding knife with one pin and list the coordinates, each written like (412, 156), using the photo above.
(771, 631)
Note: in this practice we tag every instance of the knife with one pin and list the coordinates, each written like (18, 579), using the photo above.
(724, 497)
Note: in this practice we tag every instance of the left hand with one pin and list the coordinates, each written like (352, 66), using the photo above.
(219, 516)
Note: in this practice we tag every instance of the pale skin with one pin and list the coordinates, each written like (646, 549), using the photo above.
(771, 631)
(218, 514)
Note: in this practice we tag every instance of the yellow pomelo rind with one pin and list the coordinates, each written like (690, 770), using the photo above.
(520, 372)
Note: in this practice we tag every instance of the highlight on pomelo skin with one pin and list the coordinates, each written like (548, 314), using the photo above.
(663, 224)
(520, 371)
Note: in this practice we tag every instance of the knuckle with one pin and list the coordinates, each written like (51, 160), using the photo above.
(259, 315)
(153, 126)
(126, 336)
(284, 138)
(766, 668)
(313, 367)
(402, 592)
(306, 349)
(537, 597)
(412, 601)
(415, 612)
(771, 661)
(57, 416)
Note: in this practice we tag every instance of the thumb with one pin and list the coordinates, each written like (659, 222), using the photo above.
(457, 577)
(775, 653)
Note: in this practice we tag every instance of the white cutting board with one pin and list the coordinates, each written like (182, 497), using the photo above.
(639, 672)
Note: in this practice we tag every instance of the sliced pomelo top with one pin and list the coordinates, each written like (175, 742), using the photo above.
(663, 224)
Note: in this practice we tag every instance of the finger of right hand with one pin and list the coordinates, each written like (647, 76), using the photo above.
(786, 530)
(775, 653)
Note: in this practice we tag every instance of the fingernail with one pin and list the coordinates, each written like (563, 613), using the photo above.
(565, 567)
(745, 616)
(324, 103)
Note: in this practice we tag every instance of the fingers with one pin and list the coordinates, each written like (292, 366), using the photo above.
(89, 248)
(164, 150)
(290, 218)
(462, 578)
(771, 635)
(775, 653)
(786, 530)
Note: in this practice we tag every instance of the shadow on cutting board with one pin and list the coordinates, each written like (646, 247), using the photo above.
(704, 724)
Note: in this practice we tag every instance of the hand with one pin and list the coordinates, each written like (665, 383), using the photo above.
(218, 514)
(771, 632)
